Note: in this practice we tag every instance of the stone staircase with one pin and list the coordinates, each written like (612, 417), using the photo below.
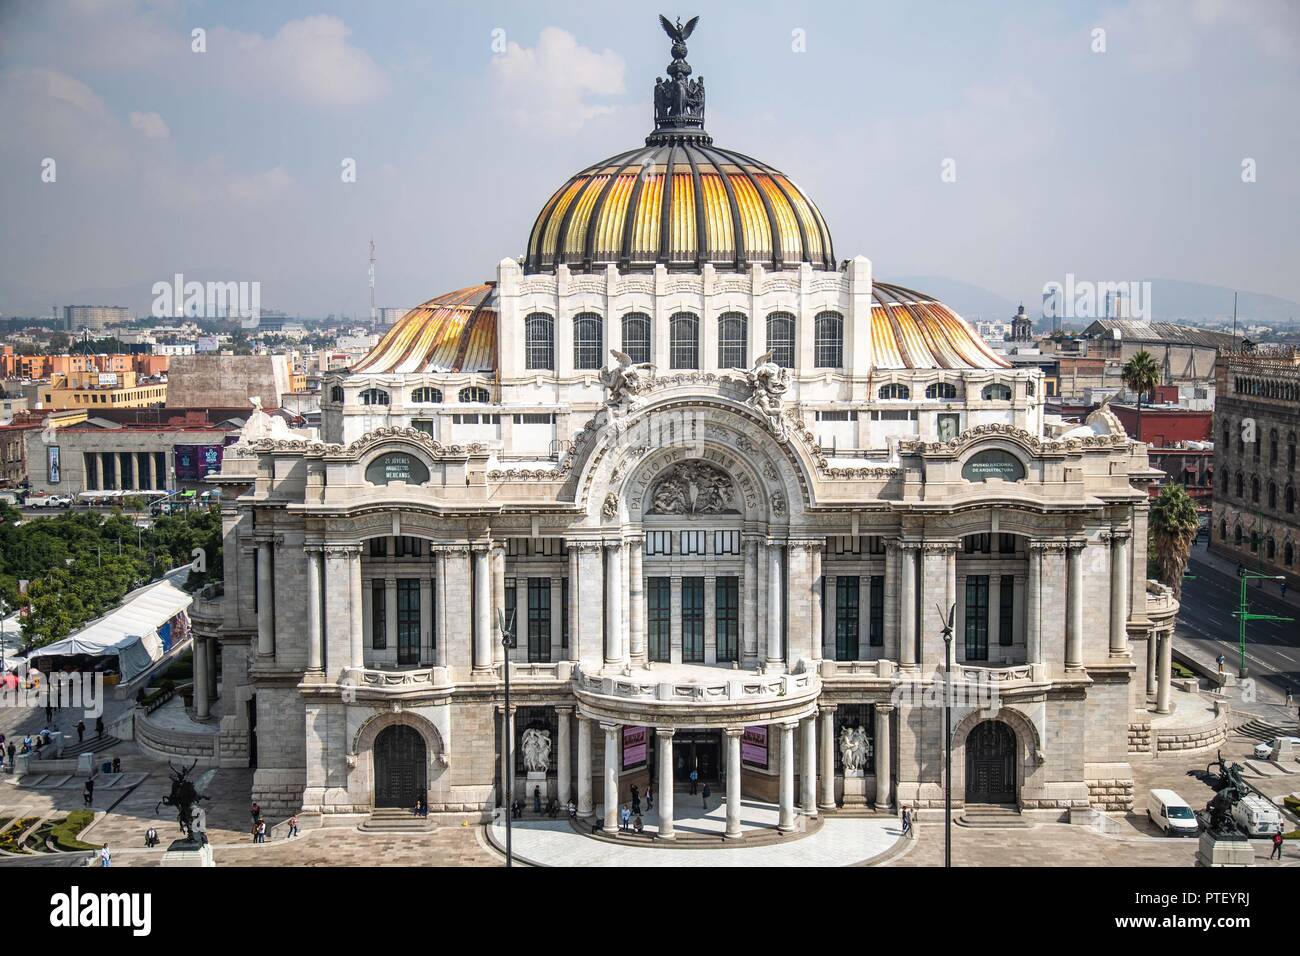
(395, 820)
(992, 818)
(1261, 730)
(91, 745)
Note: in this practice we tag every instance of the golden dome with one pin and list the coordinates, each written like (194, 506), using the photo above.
(456, 332)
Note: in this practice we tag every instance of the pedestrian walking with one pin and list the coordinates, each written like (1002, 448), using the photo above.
(907, 822)
(88, 794)
(81, 731)
(261, 831)
(151, 837)
(695, 777)
(99, 727)
(649, 797)
(1220, 661)
(255, 812)
(293, 827)
(706, 796)
(1277, 847)
(49, 713)
(105, 858)
(636, 800)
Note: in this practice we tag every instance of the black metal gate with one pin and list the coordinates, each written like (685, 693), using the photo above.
(991, 764)
(401, 767)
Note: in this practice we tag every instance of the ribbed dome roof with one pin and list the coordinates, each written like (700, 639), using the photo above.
(913, 330)
(683, 204)
(456, 332)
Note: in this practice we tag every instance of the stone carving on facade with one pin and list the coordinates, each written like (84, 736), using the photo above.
(769, 382)
(693, 488)
(624, 379)
(769, 469)
(855, 749)
(609, 510)
(537, 750)
(263, 427)
(778, 504)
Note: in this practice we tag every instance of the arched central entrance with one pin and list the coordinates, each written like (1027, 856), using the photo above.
(401, 767)
(991, 763)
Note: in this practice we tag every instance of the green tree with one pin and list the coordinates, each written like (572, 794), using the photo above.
(1141, 374)
(1171, 534)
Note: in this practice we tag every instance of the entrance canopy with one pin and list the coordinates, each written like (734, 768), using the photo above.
(138, 633)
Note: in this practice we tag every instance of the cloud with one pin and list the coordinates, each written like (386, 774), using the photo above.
(150, 124)
(551, 86)
(310, 59)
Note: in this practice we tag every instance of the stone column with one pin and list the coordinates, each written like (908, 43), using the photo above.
(907, 606)
(210, 646)
(1153, 662)
(733, 782)
(808, 773)
(441, 635)
(315, 660)
(1033, 616)
(786, 819)
(200, 653)
(426, 620)
(664, 792)
(356, 641)
(483, 628)
(613, 603)
(572, 609)
(151, 477)
(611, 776)
(1166, 666)
(773, 654)
(563, 775)
(883, 755)
(1119, 594)
(585, 808)
(498, 562)
(1074, 607)
(636, 619)
(749, 645)
(815, 562)
(950, 561)
(827, 715)
(390, 616)
(265, 600)
(99, 471)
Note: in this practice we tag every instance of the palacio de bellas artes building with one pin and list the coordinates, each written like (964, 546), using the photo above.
(722, 488)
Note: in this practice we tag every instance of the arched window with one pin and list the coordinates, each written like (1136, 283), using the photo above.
(1223, 485)
(586, 340)
(996, 393)
(1031, 389)
(476, 394)
(1270, 548)
(1288, 554)
(1241, 444)
(1290, 450)
(895, 392)
(336, 394)
(780, 338)
(1223, 529)
(1272, 495)
(426, 395)
(941, 390)
(684, 341)
(1272, 447)
(1241, 485)
(733, 340)
(1226, 437)
(374, 396)
(1289, 499)
(828, 340)
(636, 336)
(1236, 536)
(1254, 488)
(539, 341)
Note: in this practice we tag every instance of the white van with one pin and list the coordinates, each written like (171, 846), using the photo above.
(1172, 814)
(1257, 817)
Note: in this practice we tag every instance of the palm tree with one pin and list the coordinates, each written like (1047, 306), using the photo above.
(1172, 533)
(1141, 374)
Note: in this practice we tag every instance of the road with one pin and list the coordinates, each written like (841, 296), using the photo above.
(1206, 619)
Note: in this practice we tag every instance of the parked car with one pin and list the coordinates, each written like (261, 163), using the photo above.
(1172, 814)
(1257, 817)
(1266, 749)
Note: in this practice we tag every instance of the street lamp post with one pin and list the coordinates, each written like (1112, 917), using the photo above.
(1243, 613)
(508, 641)
(947, 734)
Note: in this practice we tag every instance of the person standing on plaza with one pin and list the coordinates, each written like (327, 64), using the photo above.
(88, 794)
(99, 727)
(907, 822)
(105, 858)
(293, 827)
(695, 778)
(649, 796)
(636, 800)
(1220, 661)
(81, 731)
(255, 812)
(537, 800)
(625, 817)
(151, 837)
(706, 795)
(1277, 846)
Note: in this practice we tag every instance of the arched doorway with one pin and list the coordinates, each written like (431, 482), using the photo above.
(991, 763)
(401, 767)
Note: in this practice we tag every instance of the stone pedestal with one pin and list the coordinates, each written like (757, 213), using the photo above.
(855, 788)
(536, 778)
(85, 764)
(22, 764)
(1219, 852)
(185, 853)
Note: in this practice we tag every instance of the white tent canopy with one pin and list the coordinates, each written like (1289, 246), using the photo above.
(130, 631)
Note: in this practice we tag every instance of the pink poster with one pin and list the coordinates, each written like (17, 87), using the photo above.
(634, 746)
(753, 746)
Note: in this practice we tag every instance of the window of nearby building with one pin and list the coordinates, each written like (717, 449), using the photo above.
(379, 547)
(1241, 485)
(1006, 610)
(693, 542)
(659, 542)
(374, 396)
(427, 395)
(942, 391)
(693, 620)
(828, 340)
(539, 620)
(1272, 495)
(1272, 448)
(1289, 499)
(475, 394)
(894, 391)
(780, 338)
(408, 621)
(1288, 554)
(1236, 536)
(1223, 530)
(586, 340)
(539, 341)
(378, 617)
(1254, 488)
(684, 340)
(726, 617)
(846, 618)
(977, 617)
(877, 623)
(996, 393)
(659, 616)
(636, 336)
(1290, 451)
(726, 542)
(336, 394)
(733, 340)
(1270, 548)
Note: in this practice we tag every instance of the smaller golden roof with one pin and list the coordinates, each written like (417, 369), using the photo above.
(456, 332)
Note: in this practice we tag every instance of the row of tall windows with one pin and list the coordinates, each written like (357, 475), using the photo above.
(726, 618)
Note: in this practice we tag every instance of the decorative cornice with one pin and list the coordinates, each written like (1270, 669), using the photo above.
(1029, 440)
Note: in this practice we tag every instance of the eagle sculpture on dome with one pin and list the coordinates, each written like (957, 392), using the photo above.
(678, 33)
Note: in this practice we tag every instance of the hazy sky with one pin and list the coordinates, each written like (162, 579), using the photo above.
(226, 165)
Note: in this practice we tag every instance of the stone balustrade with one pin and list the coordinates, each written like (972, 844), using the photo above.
(747, 688)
